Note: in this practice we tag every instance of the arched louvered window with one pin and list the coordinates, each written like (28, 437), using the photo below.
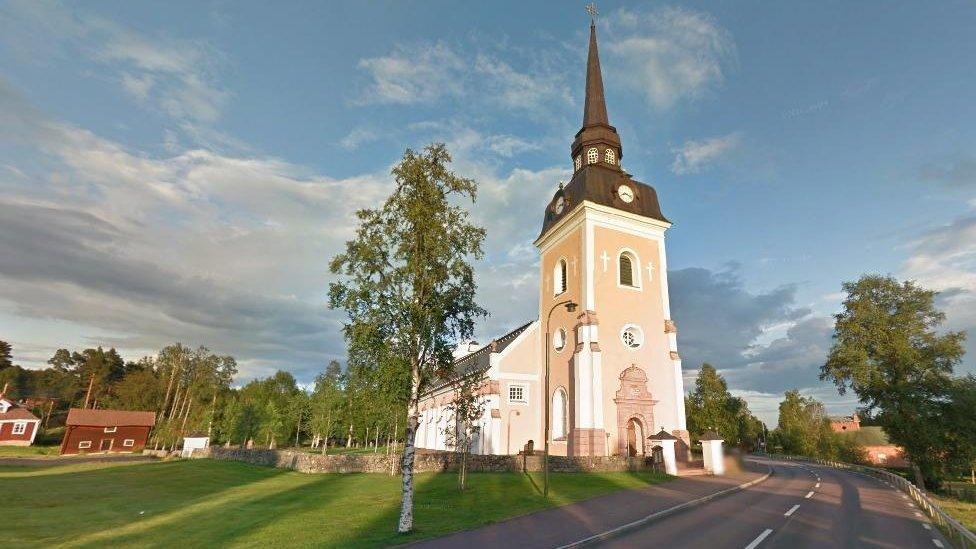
(559, 277)
(592, 156)
(610, 157)
(629, 274)
(578, 161)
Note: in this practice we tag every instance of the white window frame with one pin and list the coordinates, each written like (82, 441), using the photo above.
(84, 445)
(592, 155)
(638, 330)
(111, 429)
(563, 429)
(19, 428)
(636, 275)
(560, 277)
(129, 442)
(524, 401)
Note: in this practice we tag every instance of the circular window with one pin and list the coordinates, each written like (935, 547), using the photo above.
(632, 336)
(559, 340)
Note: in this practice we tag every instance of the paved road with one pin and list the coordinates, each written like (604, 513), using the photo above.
(799, 506)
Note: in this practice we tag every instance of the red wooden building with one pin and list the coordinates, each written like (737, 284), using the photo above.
(102, 431)
(18, 426)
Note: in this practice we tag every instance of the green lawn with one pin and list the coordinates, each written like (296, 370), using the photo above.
(207, 503)
(28, 451)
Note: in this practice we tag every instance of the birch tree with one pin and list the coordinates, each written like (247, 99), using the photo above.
(408, 287)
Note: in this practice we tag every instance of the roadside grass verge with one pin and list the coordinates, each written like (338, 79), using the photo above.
(29, 451)
(208, 503)
(963, 511)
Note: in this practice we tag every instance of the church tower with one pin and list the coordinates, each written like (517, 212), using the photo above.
(615, 374)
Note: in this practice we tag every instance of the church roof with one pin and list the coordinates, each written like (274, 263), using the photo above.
(479, 361)
(598, 183)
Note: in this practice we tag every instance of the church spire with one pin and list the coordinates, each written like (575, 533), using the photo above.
(597, 142)
(595, 107)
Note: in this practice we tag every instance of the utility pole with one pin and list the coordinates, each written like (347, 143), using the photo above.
(91, 383)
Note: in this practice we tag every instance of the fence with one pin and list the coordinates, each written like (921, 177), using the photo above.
(956, 531)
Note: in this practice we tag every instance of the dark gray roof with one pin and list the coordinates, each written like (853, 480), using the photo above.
(710, 435)
(478, 361)
(663, 435)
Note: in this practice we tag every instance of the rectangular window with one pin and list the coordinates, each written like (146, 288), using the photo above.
(129, 442)
(20, 428)
(111, 429)
(517, 394)
(84, 444)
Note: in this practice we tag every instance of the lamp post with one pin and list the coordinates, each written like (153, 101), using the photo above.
(570, 306)
(508, 447)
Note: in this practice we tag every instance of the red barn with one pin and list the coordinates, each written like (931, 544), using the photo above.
(102, 431)
(18, 426)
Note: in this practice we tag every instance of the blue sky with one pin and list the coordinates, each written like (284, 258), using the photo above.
(184, 173)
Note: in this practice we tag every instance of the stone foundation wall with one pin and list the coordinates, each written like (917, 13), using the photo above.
(425, 462)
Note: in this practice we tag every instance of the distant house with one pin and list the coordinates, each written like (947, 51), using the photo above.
(18, 426)
(841, 424)
(880, 450)
(103, 431)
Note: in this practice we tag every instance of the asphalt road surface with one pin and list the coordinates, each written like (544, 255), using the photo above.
(800, 505)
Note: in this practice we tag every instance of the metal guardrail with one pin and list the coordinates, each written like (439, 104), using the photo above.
(956, 531)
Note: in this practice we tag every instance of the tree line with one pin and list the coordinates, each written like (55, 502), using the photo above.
(191, 392)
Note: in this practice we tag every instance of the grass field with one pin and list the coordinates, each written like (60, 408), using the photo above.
(206, 503)
(963, 511)
(28, 451)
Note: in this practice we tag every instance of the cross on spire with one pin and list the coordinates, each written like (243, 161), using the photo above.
(591, 9)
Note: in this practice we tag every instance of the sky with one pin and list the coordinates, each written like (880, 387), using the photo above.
(185, 171)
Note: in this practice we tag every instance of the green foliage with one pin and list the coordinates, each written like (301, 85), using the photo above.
(5, 356)
(712, 406)
(408, 288)
(889, 349)
(804, 430)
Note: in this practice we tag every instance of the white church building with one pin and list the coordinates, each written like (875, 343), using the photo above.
(604, 325)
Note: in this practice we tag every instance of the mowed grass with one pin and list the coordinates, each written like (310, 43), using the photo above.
(206, 503)
(28, 451)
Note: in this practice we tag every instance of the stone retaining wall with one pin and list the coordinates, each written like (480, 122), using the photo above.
(425, 462)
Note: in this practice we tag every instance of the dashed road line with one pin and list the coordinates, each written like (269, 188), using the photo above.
(817, 485)
(937, 543)
(759, 539)
(808, 496)
(926, 525)
(791, 511)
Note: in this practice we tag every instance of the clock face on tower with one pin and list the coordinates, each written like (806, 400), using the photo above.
(560, 205)
(625, 193)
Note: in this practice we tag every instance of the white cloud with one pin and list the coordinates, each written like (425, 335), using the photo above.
(176, 76)
(694, 156)
(668, 54)
(415, 74)
(357, 137)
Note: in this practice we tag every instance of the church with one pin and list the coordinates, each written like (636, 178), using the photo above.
(599, 366)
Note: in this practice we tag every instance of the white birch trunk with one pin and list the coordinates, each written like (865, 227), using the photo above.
(406, 463)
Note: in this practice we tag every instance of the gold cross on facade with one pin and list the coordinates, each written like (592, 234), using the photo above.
(591, 9)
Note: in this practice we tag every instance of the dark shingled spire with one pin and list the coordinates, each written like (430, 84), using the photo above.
(595, 108)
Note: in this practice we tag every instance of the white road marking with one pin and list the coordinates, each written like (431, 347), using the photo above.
(755, 543)
(926, 525)
(791, 511)
(817, 485)
(809, 494)
(937, 543)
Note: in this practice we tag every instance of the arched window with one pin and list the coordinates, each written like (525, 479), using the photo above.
(610, 157)
(559, 277)
(629, 271)
(592, 156)
(578, 161)
(560, 414)
(559, 340)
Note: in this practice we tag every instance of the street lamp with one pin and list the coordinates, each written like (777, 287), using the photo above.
(570, 306)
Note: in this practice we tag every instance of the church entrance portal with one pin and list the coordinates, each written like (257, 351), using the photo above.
(635, 438)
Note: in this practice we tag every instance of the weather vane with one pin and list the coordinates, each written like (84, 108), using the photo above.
(591, 9)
